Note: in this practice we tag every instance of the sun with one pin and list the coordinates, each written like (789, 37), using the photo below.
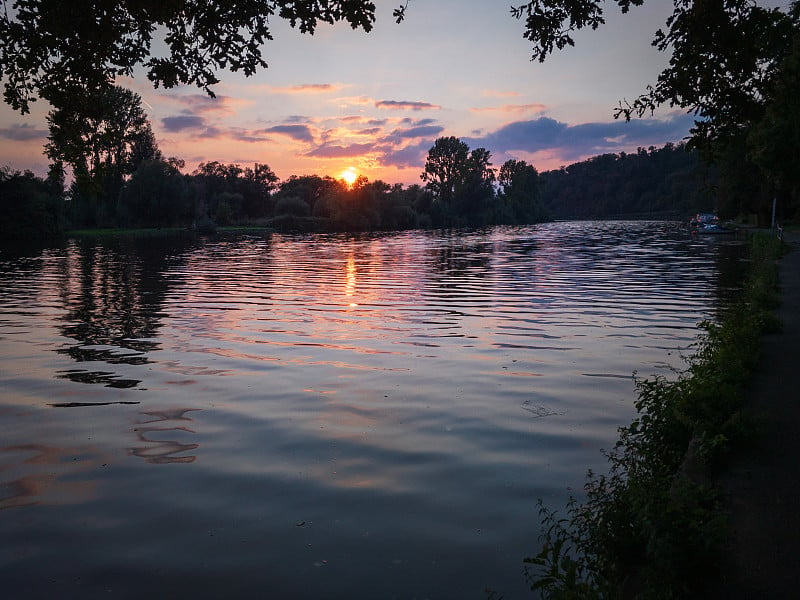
(349, 175)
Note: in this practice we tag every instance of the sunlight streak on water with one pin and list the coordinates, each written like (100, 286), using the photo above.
(295, 413)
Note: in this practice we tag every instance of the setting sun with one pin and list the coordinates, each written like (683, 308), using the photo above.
(349, 175)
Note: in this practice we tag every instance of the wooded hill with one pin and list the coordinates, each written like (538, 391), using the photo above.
(667, 182)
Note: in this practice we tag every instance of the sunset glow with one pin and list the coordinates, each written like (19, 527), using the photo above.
(349, 175)
(341, 98)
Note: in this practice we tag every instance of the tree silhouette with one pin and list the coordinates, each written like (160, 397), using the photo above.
(45, 43)
(103, 137)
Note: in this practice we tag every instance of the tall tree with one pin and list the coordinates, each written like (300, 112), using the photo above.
(460, 180)
(519, 194)
(103, 136)
(475, 191)
(774, 142)
(445, 167)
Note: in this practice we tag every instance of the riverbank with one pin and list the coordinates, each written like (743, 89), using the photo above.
(761, 489)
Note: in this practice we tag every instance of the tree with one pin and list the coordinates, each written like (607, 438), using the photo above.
(103, 136)
(157, 195)
(45, 43)
(310, 188)
(723, 54)
(519, 193)
(445, 167)
(239, 193)
(727, 61)
(775, 139)
(30, 208)
(475, 191)
(461, 181)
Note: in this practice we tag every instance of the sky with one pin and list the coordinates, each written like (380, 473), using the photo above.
(375, 102)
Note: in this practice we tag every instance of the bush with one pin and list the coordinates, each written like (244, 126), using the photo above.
(652, 527)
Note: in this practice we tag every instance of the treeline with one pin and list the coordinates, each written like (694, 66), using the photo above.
(667, 182)
(121, 179)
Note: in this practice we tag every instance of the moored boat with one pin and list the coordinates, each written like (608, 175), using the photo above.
(713, 229)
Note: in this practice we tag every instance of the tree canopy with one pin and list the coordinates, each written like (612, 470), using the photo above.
(44, 44)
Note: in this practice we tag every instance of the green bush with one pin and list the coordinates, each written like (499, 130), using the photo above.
(652, 527)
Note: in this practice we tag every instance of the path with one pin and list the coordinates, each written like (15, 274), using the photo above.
(762, 488)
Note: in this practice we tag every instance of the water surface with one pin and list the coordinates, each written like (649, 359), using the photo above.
(323, 416)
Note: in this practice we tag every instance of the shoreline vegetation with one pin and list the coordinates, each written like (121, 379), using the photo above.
(654, 525)
(665, 183)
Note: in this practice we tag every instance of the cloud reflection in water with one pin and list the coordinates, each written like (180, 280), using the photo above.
(159, 452)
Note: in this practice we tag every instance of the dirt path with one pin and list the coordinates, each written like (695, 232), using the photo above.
(762, 487)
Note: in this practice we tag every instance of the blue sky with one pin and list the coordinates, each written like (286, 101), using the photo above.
(376, 102)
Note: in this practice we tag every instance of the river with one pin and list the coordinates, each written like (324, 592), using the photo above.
(324, 416)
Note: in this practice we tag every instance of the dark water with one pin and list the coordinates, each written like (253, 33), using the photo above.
(323, 416)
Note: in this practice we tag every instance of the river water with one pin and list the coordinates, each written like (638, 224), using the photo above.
(323, 416)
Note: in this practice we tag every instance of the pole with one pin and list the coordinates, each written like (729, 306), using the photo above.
(774, 202)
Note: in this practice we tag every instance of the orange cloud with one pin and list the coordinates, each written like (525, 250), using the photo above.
(405, 105)
(499, 94)
(512, 108)
(308, 88)
(202, 103)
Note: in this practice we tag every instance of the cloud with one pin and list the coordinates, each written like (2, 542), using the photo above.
(203, 103)
(334, 151)
(424, 131)
(405, 105)
(300, 133)
(574, 142)
(499, 94)
(23, 133)
(512, 108)
(417, 122)
(347, 101)
(181, 122)
(308, 88)
(369, 131)
(294, 119)
(212, 133)
(412, 156)
(242, 135)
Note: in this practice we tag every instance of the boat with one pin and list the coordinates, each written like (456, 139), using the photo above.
(701, 219)
(713, 229)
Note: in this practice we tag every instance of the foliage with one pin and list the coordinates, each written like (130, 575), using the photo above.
(461, 182)
(724, 55)
(774, 140)
(46, 42)
(157, 195)
(732, 64)
(520, 193)
(652, 526)
(227, 193)
(444, 167)
(664, 182)
(103, 135)
(309, 188)
(30, 207)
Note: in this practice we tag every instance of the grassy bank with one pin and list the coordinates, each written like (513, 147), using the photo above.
(164, 231)
(653, 525)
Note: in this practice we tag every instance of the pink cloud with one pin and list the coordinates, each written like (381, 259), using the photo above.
(202, 103)
(334, 151)
(300, 133)
(499, 94)
(405, 105)
(308, 88)
(513, 108)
